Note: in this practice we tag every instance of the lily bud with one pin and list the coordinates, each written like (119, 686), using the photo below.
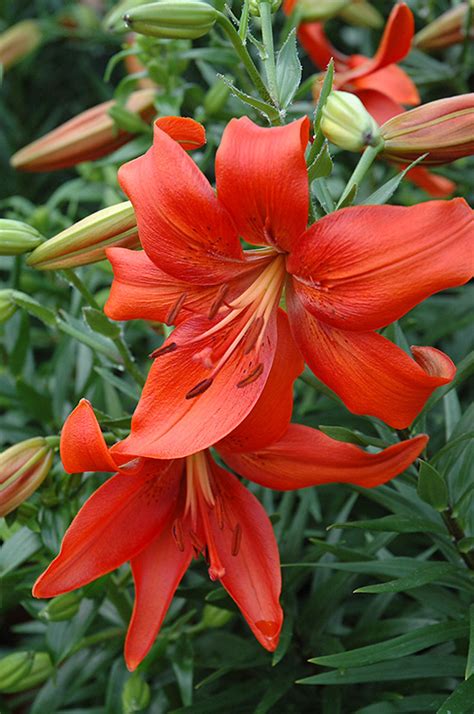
(113, 21)
(7, 306)
(85, 242)
(176, 19)
(61, 608)
(254, 6)
(86, 137)
(13, 668)
(18, 41)
(39, 671)
(315, 10)
(214, 617)
(443, 129)
(135, 694)
(17, 237)
(347, 123)
(448, 29)
(23, 467)
(362, 14)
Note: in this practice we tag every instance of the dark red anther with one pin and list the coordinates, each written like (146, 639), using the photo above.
(163, 350)
(177, 533)
(174, 311)
(251, 377)
(195, 541)
(220, 298)
(236, 540)
(199, 389)
(219, 512)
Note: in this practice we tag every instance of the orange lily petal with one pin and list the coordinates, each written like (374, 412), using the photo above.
(312, 37)
(251, 560)
(307, 457)
(434, 184)
(363, 267)
(378, 104)
(271, 415)
(370, 374)
(120, 519)
(261, 180)
(186, 131)
(140, 290)
(182, 226)
(83, 446)
(157, 572)
(167, 423)
(391, 81)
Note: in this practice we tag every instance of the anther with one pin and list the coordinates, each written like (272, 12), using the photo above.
(252, 335)
(163, 350)
(219, 512)
(177, 533)
(252, 377)
(199, 389)
(236, 540)
(174, 311)
(220, 298)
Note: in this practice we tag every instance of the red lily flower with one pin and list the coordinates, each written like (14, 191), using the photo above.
(350, 273)
(380, 84)
(159, 514)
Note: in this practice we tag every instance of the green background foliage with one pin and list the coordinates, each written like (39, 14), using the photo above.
(378, 584)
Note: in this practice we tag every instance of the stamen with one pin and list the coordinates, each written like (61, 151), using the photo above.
(220, 299)
(236, 540)
(200, 388)
(163, 350)
(252, 377)
(219, 512)
(174, 311)
(195, 541)
(252, 335)
(177, 533)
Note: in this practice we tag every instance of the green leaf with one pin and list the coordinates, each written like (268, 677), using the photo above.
(420, 667)
(33, 307)
(98, 322)
(323, 95)
(461, 701)
(322, 165)
(288, 70)
(395, 524)
(432, 487)
(17, 549)
(427, 573)
(470, 654)
(386, 191)
(263, 107)
(396, 647)
(182, 661)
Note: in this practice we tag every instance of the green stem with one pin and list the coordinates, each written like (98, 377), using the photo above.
(244, 22)
(365, 162)
(120, 600)
(242, 52)
(269, 58)
(458, 535)
(75, 280)
(110, 634)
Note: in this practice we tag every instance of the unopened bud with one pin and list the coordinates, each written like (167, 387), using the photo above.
(85, 242)
(18, 41)
(7, 305)
(113, 21)
(315, 10)
(17, 237)
(443, 129)
(61, 608)
(40, 670)
(216, 97)
(86, 137)
(13, 668)
(448, 29)
(213, 617)
(23, 467)
(362, 14)
(254, 6)
(176, 19)
(135, 694)
(347, 123)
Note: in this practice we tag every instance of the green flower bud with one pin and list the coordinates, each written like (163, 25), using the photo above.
(13, 668)
(213, 617)
(216, 97)
(347, 123)
(17, 237)
(60, 608)
(85, 242)
(362, 14)
(23, 468)
(254, 6)
(7, 306)
(135, 694)
(318, 10)
(176, 19)
(41, 669)
(113, 21)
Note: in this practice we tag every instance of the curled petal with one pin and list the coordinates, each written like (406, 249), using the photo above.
(394, 83)
(83, 446)
(261, 180)
(251, 560)
(120, 519)
(370, 374)
(363, 267)
(140, 290)
(186, 131)
(183, 408)
(312, 37)
(435, 185)
(271, 415)
(157, 572)
(182, 226)
(378, 104)
(307, 457)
